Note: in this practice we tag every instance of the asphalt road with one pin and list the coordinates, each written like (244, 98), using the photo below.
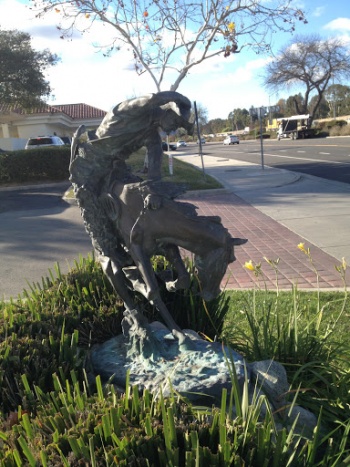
(327, 158)
(41, 197)
(37, 229)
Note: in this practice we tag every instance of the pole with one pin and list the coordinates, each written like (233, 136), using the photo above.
(261, 139)
(170, 158)
(334, 112)
(199, 136)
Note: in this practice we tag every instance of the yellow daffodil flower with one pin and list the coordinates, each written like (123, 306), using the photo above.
(343, 263)
(249, 265)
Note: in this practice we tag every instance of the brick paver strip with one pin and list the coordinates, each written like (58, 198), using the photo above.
(266, 238)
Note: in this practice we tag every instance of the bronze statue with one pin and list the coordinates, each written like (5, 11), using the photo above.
(130, 220)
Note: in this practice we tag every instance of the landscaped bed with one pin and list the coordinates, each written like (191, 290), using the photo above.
(53, 413)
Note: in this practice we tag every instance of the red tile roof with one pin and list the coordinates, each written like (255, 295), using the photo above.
(80, 111)
(44, 108)
(75, 111)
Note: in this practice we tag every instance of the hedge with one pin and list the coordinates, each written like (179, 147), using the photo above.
(35, 165)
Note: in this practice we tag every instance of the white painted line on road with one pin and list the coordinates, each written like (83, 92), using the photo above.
(326, 153)
(301, 152)
(306, 159)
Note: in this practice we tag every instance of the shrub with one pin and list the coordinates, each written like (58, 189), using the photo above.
(321, 133)
(265, 136)
(35, 165)
(345, 130)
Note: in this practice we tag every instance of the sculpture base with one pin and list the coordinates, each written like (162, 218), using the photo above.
(183, 362)
(158, 360)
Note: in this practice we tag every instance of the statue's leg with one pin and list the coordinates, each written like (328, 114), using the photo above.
(117, 279)
(183, 280)
(153, 143)
(144, 265)
(152, 290)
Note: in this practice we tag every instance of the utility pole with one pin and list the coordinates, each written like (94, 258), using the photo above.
(199, 136)
(261, 111)
(334, 111)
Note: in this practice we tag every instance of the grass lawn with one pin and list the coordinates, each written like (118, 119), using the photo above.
(185, 174)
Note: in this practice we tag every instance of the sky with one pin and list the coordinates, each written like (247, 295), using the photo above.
(84, 75)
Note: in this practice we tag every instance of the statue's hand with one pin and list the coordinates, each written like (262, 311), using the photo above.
(153, 201)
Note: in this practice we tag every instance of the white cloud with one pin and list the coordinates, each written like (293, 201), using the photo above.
(339, 24)
(318, 11)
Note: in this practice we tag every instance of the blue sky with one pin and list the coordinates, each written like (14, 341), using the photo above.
(220, 84)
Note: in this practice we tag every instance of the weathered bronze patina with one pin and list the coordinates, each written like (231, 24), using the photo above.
(130, 220)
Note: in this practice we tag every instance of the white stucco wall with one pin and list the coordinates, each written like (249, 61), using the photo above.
(42, 129)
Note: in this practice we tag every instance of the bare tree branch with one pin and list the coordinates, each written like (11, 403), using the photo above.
(167, 36)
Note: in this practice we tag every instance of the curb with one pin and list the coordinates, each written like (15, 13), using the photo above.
(35, 185)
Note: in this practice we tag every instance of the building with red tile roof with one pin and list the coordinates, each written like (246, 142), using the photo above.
(18, 124)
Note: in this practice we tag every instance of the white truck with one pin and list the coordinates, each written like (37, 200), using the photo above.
(297, 126)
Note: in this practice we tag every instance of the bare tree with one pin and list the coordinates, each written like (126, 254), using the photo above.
(308, 62)
(170, 37)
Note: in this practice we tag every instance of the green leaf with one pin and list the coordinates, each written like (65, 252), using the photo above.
(26, 451)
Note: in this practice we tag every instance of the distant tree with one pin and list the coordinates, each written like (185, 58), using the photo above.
(281, 103)
(167, 38)
(214, 126)
(338, 99)
(253, 116)
(293, 104)
(239, 119)
(22, 69)
(322, 109)
(311, 63)
(202, 113)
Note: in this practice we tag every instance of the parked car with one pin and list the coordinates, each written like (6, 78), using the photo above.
(67, 140)
(202, 140)
(172, 147)
(181, 143)
(42, 141)
(231, 139)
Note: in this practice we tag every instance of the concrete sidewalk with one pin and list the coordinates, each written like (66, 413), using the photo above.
(276, 210)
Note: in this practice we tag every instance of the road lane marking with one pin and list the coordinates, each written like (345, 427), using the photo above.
(301, 151)
(307, 159)
(325, 153)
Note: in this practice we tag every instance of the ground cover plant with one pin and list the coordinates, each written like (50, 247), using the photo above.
(53, 412)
